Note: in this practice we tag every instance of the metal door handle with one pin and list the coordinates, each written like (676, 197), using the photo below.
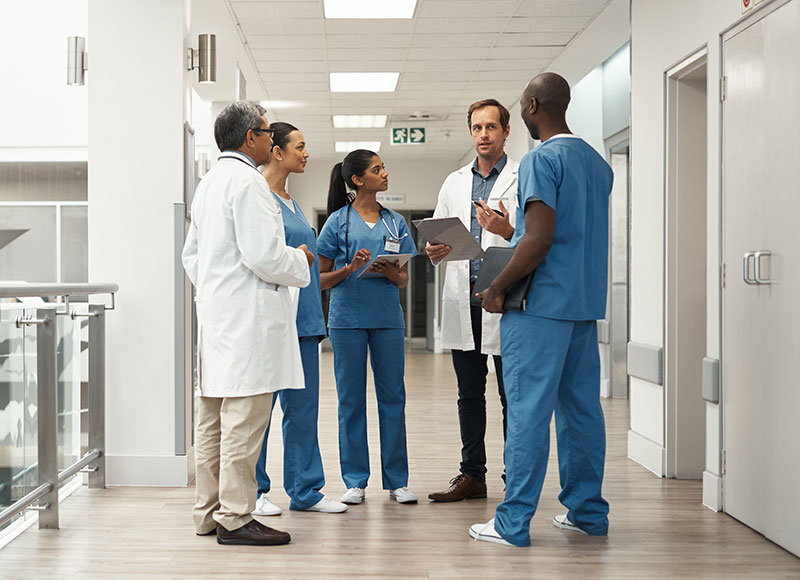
(758, 256)
(746, 268)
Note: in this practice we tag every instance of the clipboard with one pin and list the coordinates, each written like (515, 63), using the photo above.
(493, 263)
(450, 231)
(400, 258)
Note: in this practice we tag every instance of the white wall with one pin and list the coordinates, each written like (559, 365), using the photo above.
(135, 176)
(662, 35)
(42, 119)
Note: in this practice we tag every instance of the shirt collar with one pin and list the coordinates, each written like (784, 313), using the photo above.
(498, 167)
(239, 155)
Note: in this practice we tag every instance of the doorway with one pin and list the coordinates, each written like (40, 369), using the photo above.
(618, 155)
(685, 266)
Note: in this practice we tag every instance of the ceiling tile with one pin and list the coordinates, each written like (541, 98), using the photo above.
(454, 9)
(547, 24)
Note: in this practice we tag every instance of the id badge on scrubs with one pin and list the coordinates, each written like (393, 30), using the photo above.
(391, 245)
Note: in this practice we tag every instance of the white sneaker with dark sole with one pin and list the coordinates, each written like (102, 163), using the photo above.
(328, 506)
(353, 496)
(264, 507)
(487, 533)
(402, 495)
(563, 522)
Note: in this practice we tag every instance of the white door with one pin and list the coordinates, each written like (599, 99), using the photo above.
(761, 319)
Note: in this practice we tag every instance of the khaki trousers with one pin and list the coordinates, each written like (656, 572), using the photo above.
(228, 439)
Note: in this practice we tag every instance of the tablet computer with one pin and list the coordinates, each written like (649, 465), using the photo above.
(400, 258)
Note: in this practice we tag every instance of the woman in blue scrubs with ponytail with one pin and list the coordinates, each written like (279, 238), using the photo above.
(303, 477)
(365, 314)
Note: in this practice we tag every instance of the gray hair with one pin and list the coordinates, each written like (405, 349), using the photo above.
(235, 121)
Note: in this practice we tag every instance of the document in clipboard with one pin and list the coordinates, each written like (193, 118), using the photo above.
(450, 231)
(401, 260)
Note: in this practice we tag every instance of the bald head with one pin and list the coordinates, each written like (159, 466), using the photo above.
(551, 92)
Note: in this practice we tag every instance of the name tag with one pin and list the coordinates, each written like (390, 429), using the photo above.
(391, 245)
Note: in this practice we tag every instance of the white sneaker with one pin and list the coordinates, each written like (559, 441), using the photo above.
(402, 495)
(563, 522)
(487, 533)
(264, 507)
(353, 496)
(328, 506)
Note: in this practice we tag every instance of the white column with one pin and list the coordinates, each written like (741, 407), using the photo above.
(137, 103)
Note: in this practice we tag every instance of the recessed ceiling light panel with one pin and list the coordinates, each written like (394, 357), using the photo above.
(369, 8)
(348, 146)
(359, 121)
(364, 82)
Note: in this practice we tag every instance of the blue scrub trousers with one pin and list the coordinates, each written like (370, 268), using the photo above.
(303, 476)
(350, 367)
(552, 365)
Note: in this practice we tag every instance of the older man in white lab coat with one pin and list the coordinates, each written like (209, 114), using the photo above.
(237, 258)
(483, 195)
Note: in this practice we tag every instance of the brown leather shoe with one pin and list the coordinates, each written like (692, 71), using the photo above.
(461, 487)
(252, 534)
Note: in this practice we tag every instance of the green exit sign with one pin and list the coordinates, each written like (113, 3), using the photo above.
(408, 135)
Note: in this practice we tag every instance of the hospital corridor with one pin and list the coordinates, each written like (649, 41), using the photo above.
(389, 289)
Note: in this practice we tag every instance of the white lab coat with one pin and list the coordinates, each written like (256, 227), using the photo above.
(237, 258)
(455, 200)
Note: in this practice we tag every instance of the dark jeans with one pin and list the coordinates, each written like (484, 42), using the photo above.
(471, 370)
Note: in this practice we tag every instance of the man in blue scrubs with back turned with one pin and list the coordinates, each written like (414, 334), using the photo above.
(549, 350)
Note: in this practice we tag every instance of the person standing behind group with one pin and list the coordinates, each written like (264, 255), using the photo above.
(550, 349)
(237, 258)
(472, 194)
(365, 314)
(303, 475)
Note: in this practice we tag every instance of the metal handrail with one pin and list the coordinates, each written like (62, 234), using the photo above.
(15, 290)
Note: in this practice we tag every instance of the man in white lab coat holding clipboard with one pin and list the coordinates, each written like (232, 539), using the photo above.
(477, 194)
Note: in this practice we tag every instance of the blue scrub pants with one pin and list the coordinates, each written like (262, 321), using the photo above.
(552, 365)
(350, 367)
(303, 476)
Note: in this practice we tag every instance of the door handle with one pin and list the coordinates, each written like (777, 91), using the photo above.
(758, 255)
(746, 268)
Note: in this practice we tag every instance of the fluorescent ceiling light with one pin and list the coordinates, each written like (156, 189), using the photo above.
(359, 121)
(348, 146)
(371, 82)
(369, 8)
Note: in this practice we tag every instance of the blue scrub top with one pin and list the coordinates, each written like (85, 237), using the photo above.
(310, 320)
(568, 175)
(369, 302)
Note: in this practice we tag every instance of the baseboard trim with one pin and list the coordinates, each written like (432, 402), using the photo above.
(605, 388)
(646, 453)
(712, 491)
(159, 470)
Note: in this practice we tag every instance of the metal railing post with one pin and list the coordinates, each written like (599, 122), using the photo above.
(47, 412)
(97, 393)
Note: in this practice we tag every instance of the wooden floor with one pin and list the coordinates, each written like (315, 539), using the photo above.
(659, 528)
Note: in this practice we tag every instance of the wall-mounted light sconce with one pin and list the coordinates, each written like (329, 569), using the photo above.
(77, 60)
(204, 58)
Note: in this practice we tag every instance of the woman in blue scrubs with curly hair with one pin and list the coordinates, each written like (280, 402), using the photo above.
(365, 314)
(303, 477)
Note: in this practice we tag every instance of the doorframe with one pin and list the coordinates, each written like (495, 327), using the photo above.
(673, 75)
(613, 144)
(746, 21)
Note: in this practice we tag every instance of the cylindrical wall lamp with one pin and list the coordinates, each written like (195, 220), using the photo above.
(204, 58)
(77, 60)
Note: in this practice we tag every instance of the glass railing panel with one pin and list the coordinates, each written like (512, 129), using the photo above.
(68, 356)
(18, 450)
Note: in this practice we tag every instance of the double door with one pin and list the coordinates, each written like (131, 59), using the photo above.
(761, 294)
